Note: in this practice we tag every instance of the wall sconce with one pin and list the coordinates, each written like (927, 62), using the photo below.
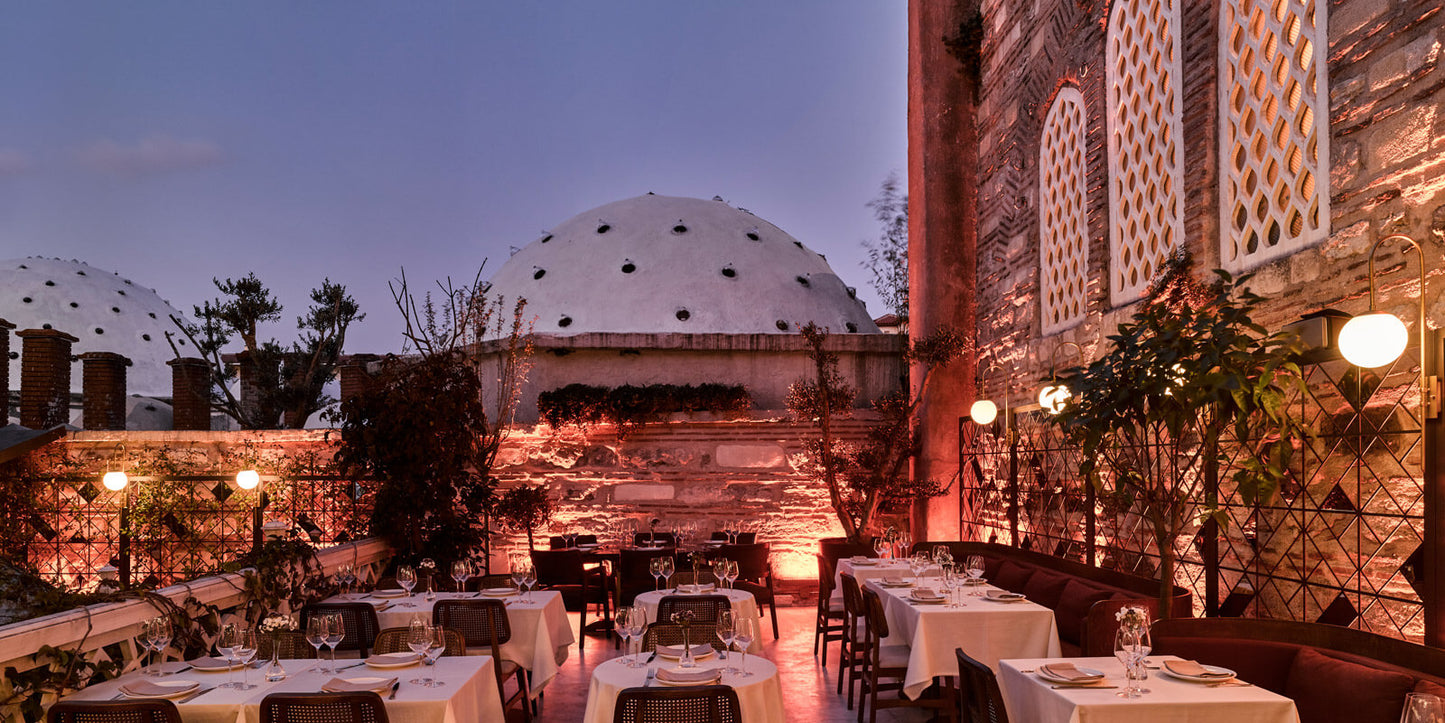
(116, 480)
(248, 479)
(984, 411)
(1377, 338)
(1053, 396)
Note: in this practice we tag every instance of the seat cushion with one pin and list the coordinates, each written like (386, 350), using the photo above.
(1012, 576)
(1327, 689)
(1429, 686)
(1073, 606)
(509, 668)
(1045, 587)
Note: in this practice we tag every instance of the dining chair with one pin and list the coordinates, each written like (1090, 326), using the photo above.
(654, 539)
(360, 707)
(113, 711)
(671, 634)
(691, 704)
(483, 582)
(484, 626)
(289, 645)
(755, 573)
(558, 542)
(886, 666)
(853, 651)
(358, 618)
(829, 623)
(394, 640)
(563, 571)
(704, 607)
(633, 577)
(979, 697)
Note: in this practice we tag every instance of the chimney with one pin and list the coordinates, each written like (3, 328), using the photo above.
(355, 379)
(5, 328)
(103, 387)
(190, 393)
(44, 377)
(249, 376)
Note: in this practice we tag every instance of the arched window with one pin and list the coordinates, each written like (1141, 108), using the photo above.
(1146, 142)
(1273, 136)
(1063, 220)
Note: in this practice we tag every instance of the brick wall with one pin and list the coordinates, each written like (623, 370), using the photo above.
(5, 328)
(44, 377)
(103, 384)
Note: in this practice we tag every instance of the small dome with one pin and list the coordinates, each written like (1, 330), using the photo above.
(104, 311)
(682, 265)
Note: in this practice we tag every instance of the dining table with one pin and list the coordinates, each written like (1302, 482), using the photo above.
(872, 568)
(1030, 697)
(542, 634)
(986, 629)
(468, 692)
(760, 696)
(744, 606)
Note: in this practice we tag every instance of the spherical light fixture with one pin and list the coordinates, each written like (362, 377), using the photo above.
(1053, 397)
(247, 479)
(983, 411)
(115, 481)
(1374, 339)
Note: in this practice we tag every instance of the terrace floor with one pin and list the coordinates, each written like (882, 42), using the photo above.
(808, 690)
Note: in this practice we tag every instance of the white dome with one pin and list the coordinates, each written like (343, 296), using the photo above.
(683, 265)
(104, 311)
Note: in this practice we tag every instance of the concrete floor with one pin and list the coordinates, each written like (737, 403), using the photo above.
(807, 688)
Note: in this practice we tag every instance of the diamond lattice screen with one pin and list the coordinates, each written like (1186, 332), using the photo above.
(1273, 142)
(1063, 223)
(1146, 142)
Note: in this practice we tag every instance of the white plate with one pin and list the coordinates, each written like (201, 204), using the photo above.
(217, 669)
(1000, 596)
(379, 684)
(695, 656)
(499, 592)
(714, 681)
(865, 562)
(979, 581)
(1221, 674)
(179, 688)
(395, 660)
(895, 583)
(388, 593)
(1066, 681)
(927, 600)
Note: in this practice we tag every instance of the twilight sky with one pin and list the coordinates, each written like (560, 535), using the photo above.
(177, 141)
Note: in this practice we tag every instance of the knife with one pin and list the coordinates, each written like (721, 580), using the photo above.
(650, 657)
(196, 694)
(394, 687)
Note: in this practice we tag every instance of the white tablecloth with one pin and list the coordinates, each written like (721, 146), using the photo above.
(760, 698)
(742, 602)
(541, 633)
(470, 693)
(1030, 698)
(873, 569)
(987, 631)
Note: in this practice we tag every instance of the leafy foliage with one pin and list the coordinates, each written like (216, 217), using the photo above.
(864, 477)
(525, 507)
(631, 407)
(888, 255)
(1190, 364)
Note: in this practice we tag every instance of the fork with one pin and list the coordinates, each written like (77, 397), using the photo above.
(651, 673)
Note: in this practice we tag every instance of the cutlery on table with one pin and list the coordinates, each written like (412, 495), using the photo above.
(651, 674)
(196, 694)
(650, 658)
(353, 665)
(1084, 687)
(394, 687)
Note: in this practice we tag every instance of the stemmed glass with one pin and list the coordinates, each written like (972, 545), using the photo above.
(654, 566)
(1130, 647)
(158, 636)
(316, 636)
(226, 649)
(637, 626)
(460, 572)
(529, 579)
(744, 630)
(720, 571)
(406, 577)
(725, 634)
(949, 578)
(732, 573)
(918, 563)
(880, 546)
(342, 571)
(418, 638)
(669, 566)
(905, 545)
(435, 650)
(974, 567)
(1422, 708)
(622, 623)
(335, 632)
(245, 652)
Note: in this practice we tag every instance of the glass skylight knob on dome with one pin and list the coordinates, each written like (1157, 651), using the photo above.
(1377, 338)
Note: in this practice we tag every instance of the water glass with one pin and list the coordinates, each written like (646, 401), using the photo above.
(745, 630)
(725, 635)
(226, 644)
(316, 636)
(1423, 708)
(669, 566)
(654, 566)
(406, 577)
(418, 638)
(461, 571)
(245, 652)
(732, 573)
(335, 633)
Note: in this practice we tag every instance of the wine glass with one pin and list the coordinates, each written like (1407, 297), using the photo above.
(226, 644)
(406, 577)
(161, 636)
(335, 632)
(621, 622)
(1142, 647)
(460, 572)
(1422, 708)
(725, 634)
(918, 563)
(732, 573)
(418, 638)
(637, 626)
(948, 578)
(316, 636)
(720, 571)
(342, 571)
(880, 547)
(669, 566)
(654, 566)
(974, 567)
(245, 652)
(437, 648)
(529, 579)
(905, 545)
(1126, 649)
(146, 646)
(744, 631)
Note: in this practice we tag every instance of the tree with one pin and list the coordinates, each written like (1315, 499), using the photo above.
(888, 255)
(287, 382)
(525, 507)
(861, 478)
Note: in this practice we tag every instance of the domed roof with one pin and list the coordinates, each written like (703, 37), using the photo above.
(682, 265)
(104, 311)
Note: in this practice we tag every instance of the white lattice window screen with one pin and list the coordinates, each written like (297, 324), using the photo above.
(1063, 221)
(1146, 142)
(1274, 139)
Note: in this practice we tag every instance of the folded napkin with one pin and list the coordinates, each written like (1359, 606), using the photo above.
(926, 593)
(357, 685)
(147, 689)
(688, 677)
(210, 663)
(1067, 671)
(894, 580)
(710, 587)
(675, 651)
(388, 592)
(393, 659)
(1193, 669)
(1002, 595)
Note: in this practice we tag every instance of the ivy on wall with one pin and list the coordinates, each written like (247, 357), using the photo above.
(631, 407)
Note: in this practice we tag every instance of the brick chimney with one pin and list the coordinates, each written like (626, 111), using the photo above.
(44, 377)
(103, 387)
(248, 375)
(355, 379)
(190, 394)
(5, 328)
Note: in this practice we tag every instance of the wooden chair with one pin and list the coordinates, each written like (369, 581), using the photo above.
(885, 667)
(690, 704)
(364, 707)
(704, 607)
(484, 626)
(394, 640)
(853, 651)
(755, 574)
(829, 623)
(979, 699)
(113, 711)
(359, 619)
(289, 645)
(671, 634)
(562, 570)
(654, 539)
(633, 577)
(482, 582)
